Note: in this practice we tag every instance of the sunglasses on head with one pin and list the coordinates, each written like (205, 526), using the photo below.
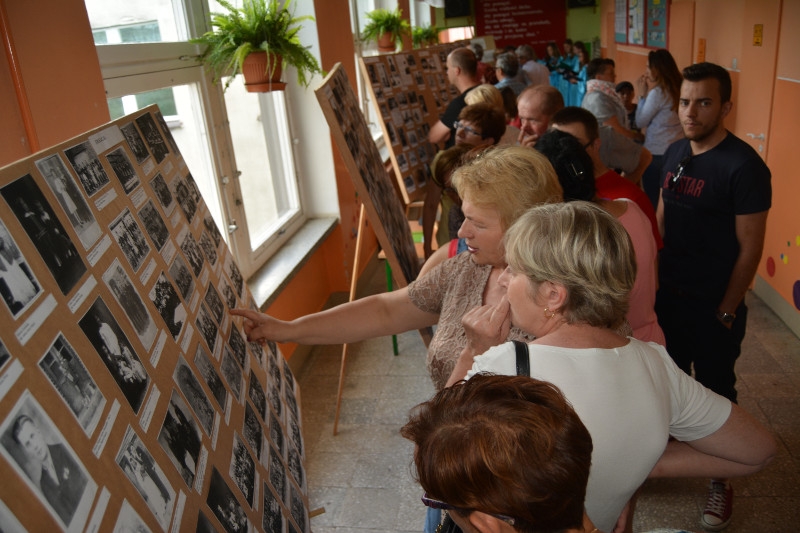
(438, 504)
(680, 171)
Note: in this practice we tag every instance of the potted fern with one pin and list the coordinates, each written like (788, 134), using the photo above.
(387, 28)
(257, 40)
(424, 36)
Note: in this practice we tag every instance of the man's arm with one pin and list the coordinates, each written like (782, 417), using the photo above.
(742, 446)
(622, 130)
(750, 230)
(635, 176)
(660, 214)
(438, 133)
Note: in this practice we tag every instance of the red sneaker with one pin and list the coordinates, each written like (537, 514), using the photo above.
(719, 506)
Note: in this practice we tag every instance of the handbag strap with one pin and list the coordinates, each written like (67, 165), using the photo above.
(523, 359)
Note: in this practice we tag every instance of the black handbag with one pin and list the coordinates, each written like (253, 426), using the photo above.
(523, 369)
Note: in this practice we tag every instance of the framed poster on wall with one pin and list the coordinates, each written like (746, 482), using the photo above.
(641, 22)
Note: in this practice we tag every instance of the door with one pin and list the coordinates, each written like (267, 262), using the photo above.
(760, 32)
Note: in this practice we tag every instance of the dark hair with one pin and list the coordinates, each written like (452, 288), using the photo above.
(487, 117)
(509, 102)
(508, 64)
(623, 86)
(704, 71)
(20, 421)
(597, 66)
(509, 445)
(572, 114)
(668, 77)
(465, 59)
(578, 45)
(446, 162)
(477, 49)
(573, 165)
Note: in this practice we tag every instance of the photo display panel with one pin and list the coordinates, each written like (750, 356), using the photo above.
(129, 398)
(410, 91)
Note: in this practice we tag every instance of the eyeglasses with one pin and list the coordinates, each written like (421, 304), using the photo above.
(459, 125)
(438, 504)
(674, 180)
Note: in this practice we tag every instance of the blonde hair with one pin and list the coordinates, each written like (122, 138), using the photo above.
(510, 179)
(485, 93)
(585, 249)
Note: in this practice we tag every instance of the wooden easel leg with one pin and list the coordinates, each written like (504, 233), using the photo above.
(353, 283)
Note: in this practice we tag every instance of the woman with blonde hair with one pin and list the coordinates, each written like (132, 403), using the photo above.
(659, 90)
(571, 270)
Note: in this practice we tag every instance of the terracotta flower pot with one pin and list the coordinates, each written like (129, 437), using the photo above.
(257, 77)
(386, 42)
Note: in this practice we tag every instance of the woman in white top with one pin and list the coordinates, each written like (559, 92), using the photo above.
(571, 269)
(659, 90)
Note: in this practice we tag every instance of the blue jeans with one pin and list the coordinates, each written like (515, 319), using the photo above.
(651, 179)
(432, 519)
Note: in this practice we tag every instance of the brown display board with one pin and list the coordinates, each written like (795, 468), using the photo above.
(410, 91)
(364, 163)
(129, 398)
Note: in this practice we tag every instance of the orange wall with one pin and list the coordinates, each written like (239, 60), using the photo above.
(58, 66)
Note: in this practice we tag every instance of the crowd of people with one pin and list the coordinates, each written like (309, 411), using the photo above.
(609, 258)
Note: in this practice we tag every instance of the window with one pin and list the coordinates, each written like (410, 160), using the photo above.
(237, 145)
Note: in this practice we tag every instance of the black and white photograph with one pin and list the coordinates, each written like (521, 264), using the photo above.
(273, 366)
(167, 133)
(147, 477)
(234, 274)
(192, 252)
(169, 306)
(193, 189)
(129, 521)
(223, 503)
(237, 345)
(9, 522)
(152, 137)
(87, 166)
(38, 452)
(295, 464)
(214, 303)
(207, 327)
(130, 238)
(154, 224)
(213, 230)
(258, 352)
(277, 472)
(295, 435)
(228, 294)
(123, 169)
(195, 395)
(78, 212)
(128, 298)
(209, 248)
(243, 469)
(209, 374)
(18, 285)
(276, 433)
(74, 384)
(272, 522)
(204, 524)
(257, 396)
(298, 508)
(163, 194)
(116, 351)
(232, 373)
(45, 231)
(135, 142)
(288, 376)
(251, 430)
(182, 276)
(181, 438)
(274, 396)
(183, 195)
(291, 402)
(5, 357)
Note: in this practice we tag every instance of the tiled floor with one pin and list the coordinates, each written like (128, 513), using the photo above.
(362, 476)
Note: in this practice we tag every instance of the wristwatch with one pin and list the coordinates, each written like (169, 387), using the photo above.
(726, 318)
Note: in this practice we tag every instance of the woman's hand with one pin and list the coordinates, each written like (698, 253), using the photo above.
(259, 327)
(642, 86)
(487, 326)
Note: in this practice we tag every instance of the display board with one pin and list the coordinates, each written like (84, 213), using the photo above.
(641, 22)
(364, 163)
(410, 91)
(129, 397)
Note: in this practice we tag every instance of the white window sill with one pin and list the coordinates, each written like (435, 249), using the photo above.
(269, 280)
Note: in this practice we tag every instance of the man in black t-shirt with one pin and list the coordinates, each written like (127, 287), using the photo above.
(712, 214)
(462, 71)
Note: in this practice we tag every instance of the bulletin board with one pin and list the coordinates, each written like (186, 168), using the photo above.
(641, 22)
(129, 397)
(410, 91)
(531, 22)
(365, 165)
